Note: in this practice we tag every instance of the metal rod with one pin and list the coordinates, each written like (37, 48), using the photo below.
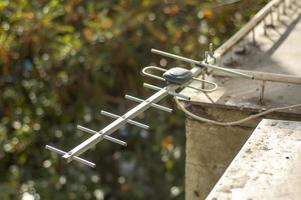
(153, 87)
(146, 73)
(283, 7)
(290, 4)
(278, 12)
(230, 71)
(215, 86)
(231, 55)
(211, 50)
(203, 77)
(265, 27)
(265, 76)
(105, 137)
(272, 18)
(198, 63)
(221, 61)
(82, 128)
(206, 56)
(108, 114)
(253, 36)
(154, 105)
(262, 91)
(244, 42)
(76, 158)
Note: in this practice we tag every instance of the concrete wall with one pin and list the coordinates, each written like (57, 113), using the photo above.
(211, 148)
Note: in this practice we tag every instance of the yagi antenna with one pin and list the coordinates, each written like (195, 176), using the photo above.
(175, 78)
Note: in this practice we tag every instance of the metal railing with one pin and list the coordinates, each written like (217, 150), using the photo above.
(242, 34)
(261, 16)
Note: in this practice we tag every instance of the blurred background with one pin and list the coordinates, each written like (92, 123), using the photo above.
(62, 61)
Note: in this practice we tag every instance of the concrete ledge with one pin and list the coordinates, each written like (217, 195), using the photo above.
(267, 167)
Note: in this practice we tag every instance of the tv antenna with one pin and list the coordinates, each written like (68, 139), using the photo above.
(175, 78)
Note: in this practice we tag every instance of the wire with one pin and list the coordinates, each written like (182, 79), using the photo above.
(202, 119)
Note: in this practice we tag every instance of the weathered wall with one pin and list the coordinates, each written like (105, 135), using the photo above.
(267, 166)
(211, 148)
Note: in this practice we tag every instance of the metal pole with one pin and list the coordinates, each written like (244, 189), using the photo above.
(265, 27)
(262, 91)
(278, 12)
(231, 55)
(272, 19)
(283, 7)
(244, 43)
(253, 36)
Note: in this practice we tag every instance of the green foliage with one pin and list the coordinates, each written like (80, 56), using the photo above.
(62, 61)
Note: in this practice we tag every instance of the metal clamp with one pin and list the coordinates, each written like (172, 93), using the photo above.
(146, 72)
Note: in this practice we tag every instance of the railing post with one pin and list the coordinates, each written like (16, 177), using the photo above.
(262, 91)
(253, 36)
(244, 43)
(278, 12)
(290, 4)
(272, 19)
(231, 55)
(283, 7)
(221, 60)
(265, 27)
